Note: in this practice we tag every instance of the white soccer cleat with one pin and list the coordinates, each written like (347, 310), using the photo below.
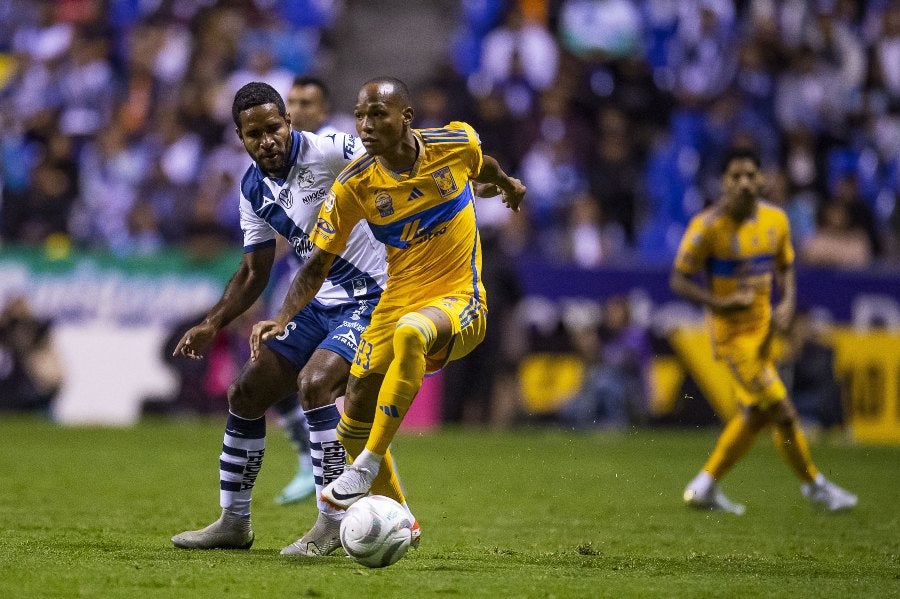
(704, 493)
(349, 487)
(230, 531)
(322, 539)
(825, 493)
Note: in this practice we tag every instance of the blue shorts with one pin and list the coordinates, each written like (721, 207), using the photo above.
(335, 328)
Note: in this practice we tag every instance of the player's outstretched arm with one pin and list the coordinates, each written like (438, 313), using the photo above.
(783, 313)
(682, 285)
(512, 190)
(303, 289)
(244, 288)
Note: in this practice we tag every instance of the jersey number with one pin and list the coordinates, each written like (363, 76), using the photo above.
(363, 354)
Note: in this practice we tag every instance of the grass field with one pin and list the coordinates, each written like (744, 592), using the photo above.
(531, 513)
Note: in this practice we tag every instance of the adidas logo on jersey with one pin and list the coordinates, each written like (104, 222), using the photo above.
(414, 195)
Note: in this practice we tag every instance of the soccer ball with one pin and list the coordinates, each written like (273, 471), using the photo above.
(376, 531)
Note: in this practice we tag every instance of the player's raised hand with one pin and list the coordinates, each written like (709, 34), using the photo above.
(196, 341)
(513, 197)
(263, 331)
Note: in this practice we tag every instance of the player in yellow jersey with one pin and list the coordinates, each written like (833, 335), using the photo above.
(413, 189)
(743, 245)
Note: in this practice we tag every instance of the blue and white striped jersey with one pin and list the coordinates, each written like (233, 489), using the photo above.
(290, 207)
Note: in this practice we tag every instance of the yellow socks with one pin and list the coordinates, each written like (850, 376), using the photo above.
(413, 338)
(792, 444)
(353, 435)
(733, 443)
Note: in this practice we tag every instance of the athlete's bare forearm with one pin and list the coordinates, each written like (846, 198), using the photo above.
(306, 284)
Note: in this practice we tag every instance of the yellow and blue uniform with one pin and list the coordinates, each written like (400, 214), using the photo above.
(737, 256)
(426, 219)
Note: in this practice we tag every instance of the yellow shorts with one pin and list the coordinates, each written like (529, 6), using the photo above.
(754, 378)
(468, 318)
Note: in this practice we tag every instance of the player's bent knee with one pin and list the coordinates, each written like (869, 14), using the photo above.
(316, 389)
(414, 334)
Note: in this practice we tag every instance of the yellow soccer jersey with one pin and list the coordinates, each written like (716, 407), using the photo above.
(736, 256)
(425, 217)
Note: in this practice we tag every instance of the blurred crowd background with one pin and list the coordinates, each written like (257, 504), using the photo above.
(116, 133)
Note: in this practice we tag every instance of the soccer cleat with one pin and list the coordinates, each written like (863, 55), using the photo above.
(230, 531)
(322, 539)
(416, 535)
(301, 486)
(825, 493)
(349, 487)
(710, 497)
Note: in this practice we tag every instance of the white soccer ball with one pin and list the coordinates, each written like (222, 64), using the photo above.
(376, 531)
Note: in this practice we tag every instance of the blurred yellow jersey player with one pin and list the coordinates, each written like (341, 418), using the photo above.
(742, 246)
(741, 257)
(426, 219)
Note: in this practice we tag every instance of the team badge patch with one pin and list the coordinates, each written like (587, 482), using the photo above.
(329, 202)
(286, 198)
(325, 227)
(305, 178)
(384, 203)
(443, 178)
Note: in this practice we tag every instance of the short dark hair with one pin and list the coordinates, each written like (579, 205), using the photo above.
(304, 80)
(256, 94)
(401, 91)
(738, 153)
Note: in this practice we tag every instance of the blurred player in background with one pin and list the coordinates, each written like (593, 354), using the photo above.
(412, 188)
(307, 105)
(280, 194)
(741, 244)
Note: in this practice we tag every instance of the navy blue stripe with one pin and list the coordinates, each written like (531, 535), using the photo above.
(227, 485)
(238, 453)
(356, 168)
(316, 462)
(322, 414)
(315, 446)
(245, 429)
(258, 246)
(433, 142)
(229, 467)
(324, 426)
(390, 234)
(342, 273)
(319, 480)
(722, 267)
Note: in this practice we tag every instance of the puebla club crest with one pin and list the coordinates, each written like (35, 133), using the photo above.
(305, 178)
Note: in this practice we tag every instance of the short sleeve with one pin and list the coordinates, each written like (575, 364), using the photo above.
(693, 250)
(472, 156)
(338, 215)
(257, 232)
(785, 255)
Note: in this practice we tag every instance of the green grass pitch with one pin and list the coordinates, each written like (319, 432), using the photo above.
(88, 512)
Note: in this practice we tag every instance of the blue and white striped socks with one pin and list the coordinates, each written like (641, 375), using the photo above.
(240, 462)
(328, 455)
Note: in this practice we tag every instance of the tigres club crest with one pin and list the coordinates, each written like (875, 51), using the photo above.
(305, 178)
(384, 203)
(443, 178)
(285, 198)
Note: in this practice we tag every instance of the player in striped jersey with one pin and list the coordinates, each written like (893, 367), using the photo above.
(280, 194)
(307, 105)
(412, 188)
(743, 244)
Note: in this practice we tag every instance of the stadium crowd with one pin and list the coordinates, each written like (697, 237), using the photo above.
(116, 132)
